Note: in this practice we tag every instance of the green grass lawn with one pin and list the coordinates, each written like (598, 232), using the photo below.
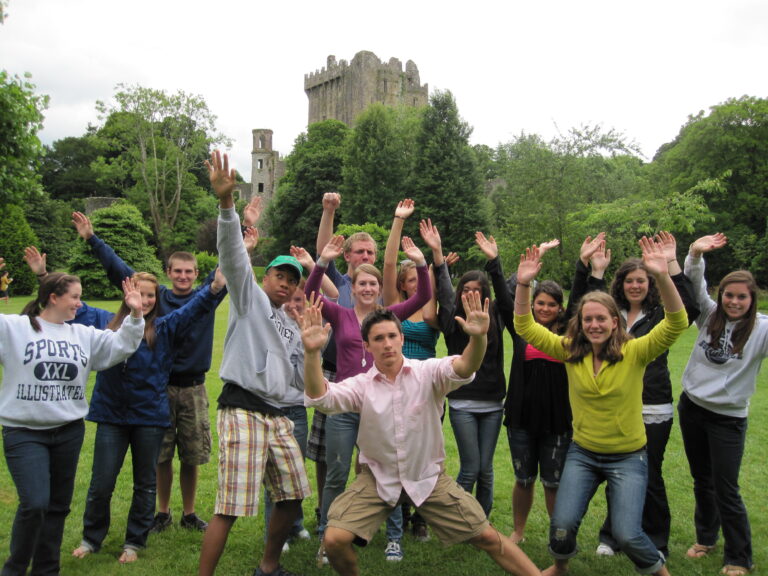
(176, 551)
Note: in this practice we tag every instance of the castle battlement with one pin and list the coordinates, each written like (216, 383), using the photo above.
(342, 89)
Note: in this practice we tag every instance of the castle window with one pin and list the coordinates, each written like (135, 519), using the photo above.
(260, 164)
(261, 141)
(261, 188)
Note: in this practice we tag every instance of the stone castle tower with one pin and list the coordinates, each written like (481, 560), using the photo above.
(266, 166)
(343, 90)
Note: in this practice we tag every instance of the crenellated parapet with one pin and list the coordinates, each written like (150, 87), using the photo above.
(342, 90)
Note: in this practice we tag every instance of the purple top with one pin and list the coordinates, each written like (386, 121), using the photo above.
(351, 357)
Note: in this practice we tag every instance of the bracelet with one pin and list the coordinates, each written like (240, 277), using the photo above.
(401, 217)
(521, 284)
(522, 303)
(673, 260)
(41, 275)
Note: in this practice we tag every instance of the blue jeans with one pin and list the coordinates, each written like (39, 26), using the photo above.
(714, 446)
(297, 415)
(476, 436)
(626, 475)
(109, 451)
(340, 439)
(42, 464)
(657, 518)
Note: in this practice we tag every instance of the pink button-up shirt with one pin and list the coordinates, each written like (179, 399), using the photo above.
(401, 436)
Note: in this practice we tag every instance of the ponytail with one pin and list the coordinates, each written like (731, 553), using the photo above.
(54, 283)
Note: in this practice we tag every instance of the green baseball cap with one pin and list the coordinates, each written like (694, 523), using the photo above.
(284, 260)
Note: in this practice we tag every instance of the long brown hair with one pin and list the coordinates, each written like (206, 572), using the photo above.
(54, 283)
(553, 290)
(576, 344)
(405, 267)
(652, 298)
(746, 323)
(149, 319)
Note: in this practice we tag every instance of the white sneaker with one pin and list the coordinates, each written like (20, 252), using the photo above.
(604, 550)
(393, 552)
(286, 547)
(303, 535)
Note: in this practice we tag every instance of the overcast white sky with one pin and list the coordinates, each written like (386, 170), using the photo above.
(534, 66)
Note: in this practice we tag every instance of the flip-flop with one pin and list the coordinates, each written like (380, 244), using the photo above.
(699, 550)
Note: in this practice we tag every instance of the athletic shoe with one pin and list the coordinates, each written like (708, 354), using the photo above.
(393, 552)
(605, 550)
(193, 522)
(322, 557)
(160, 522)
(303, 534)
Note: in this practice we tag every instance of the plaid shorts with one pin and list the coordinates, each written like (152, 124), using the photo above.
(253, 449)
(316, 442)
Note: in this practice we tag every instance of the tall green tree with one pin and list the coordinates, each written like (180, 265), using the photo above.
(446, 182)
(123, 227)
(378, 162)
(67, 172)
(167, 138)
(729, 146)
(17, 235)
(313, 168)
(21, 118)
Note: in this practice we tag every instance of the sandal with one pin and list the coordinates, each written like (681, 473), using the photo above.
(731, 570)
(128, 556)
(699, 550)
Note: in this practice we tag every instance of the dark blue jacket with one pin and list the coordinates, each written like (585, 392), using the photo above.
(134, 393)
(193, 354)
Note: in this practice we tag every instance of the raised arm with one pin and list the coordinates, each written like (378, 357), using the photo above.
(682, 282)
(431, 237)
(331, 202)
(327, 286)
(655, 263)
(476, 327)
(694, 269)
(35, 261)
(115, 267)
(404, 310)
(390, 292)
(504, 302)
(314, 335)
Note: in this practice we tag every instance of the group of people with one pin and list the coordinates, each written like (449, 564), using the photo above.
(589, 397)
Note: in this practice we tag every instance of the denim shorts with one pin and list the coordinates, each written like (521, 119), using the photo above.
(533, 454)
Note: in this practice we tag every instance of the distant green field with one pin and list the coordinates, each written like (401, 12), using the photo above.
(176, 551)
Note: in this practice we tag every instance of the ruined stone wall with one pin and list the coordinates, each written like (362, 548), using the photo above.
(343, 90)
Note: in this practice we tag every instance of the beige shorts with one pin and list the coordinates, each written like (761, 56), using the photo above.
(253, 449)
(453, 513)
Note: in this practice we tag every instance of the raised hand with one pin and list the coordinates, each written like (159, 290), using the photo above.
(252, 211)
(708, 244)
(82, 225)
(333, 249)
(600, 259)
(451, 258)
(35, 261)
(132, 296)
(478, 318)
(313, 333)
(589, 246)
(545, 247)
(223, 180)
(331, 201)
(530, 264)
(219, 281)
(303, 257)
(405, 208)
(413, 252)
(430, 234)
(2, 263)
(251, 239)
(487, 245)
(654, 258)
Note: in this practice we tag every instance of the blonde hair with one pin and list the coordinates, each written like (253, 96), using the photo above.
(576, 344)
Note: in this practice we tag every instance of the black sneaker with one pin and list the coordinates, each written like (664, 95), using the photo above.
(160, 522)
(193, 522)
